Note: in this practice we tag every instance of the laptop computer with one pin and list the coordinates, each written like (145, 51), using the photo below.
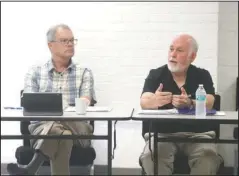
(42, 104)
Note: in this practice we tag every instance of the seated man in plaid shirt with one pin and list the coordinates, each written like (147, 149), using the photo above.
(59, 74)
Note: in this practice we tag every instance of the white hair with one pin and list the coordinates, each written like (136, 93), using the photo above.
(193, 44)
(51, 33)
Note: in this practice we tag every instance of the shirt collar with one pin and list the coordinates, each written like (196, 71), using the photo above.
(51, 65)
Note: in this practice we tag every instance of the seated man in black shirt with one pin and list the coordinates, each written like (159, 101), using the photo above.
(171, 86)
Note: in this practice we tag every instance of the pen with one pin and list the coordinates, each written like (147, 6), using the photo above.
(13, 108)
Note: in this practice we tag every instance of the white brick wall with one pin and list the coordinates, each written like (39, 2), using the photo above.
(119, 41)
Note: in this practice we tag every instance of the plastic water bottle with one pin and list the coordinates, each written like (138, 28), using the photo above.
(201, 102)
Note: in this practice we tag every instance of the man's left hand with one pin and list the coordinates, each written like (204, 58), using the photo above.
(181, 101)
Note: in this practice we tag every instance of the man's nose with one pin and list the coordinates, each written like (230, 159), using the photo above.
(173, 53)
(70, 45)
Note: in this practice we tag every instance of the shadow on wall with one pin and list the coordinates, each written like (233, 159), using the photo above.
(229, 97)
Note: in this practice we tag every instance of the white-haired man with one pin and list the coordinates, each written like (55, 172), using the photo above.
(169, 86)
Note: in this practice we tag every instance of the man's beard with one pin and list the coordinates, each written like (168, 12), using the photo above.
(175, 69)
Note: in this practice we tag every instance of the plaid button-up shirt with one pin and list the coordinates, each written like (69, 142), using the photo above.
(72, 83)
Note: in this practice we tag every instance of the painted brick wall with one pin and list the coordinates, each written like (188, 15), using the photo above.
(119, 41)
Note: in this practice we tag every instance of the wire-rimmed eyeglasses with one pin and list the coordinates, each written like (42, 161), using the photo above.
(66, 41)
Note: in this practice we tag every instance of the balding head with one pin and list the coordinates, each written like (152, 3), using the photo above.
(51, 33)
(183, 51)
(190, 40)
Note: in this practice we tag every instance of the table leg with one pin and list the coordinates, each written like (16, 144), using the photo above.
(150, 147)
(155, 153)
(235, 162)
(109, 147)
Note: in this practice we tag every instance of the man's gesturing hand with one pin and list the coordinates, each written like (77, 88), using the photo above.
(180, 101)
(162, 98)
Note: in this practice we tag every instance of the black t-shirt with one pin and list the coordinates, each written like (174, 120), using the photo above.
(195, 76)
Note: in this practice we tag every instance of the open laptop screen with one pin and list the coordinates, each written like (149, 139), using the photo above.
(42, 102)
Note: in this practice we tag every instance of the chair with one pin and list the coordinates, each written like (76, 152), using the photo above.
(181, 161)
(79, 156)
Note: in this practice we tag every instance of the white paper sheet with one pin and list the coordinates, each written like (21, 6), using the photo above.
(158, 112)
(220, 113)
(90, 109)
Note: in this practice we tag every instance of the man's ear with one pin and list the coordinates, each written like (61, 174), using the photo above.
(49, 44)
(193, 56)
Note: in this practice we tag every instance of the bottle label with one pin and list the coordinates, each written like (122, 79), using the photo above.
(201, 97)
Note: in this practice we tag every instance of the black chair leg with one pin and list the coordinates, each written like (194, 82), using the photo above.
(143, 172)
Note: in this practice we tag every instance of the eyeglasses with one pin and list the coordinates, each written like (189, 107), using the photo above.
(66, 41)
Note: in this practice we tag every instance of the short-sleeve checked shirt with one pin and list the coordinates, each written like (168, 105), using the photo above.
(74, 82)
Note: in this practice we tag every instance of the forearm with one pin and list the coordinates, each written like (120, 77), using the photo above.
(87, 88)
(209, 101)
(148, 101)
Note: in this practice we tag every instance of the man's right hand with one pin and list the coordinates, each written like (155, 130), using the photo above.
(162, 98)
(155, 100)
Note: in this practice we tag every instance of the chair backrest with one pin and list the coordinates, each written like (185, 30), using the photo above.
(217, 106)
(21, 98)
(217, 102)
(216, 128)
(24, 124)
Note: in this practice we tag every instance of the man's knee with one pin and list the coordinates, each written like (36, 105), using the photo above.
(206, 164)
(204, 151)
(67, 132)
(166, 150)
(200, 150)
(56, 129)
(67, 142)
(213, 159)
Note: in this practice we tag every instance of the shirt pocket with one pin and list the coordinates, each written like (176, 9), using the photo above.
(45, 85)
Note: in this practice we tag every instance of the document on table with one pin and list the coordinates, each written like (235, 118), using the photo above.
(172, 111)
(220, 113)
(90, 109)
(158, 112)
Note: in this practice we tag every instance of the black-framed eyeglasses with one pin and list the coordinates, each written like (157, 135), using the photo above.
(66, 41)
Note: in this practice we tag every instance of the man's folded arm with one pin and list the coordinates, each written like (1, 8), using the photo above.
(87, 89)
